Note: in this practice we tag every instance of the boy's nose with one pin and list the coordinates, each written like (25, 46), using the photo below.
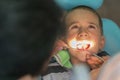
(83, 33)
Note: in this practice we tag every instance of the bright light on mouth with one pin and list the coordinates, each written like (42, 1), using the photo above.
(83, 44)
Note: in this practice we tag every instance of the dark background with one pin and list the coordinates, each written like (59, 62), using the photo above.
(110, 9)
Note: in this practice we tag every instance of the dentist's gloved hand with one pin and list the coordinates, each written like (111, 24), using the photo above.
(81, 72)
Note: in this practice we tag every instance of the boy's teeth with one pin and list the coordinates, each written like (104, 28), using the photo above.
(84, 44)
(79, 46)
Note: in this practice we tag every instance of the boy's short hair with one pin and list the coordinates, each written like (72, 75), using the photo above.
(28, 29)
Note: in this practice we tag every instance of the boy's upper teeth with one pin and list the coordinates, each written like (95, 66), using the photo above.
(83, 44)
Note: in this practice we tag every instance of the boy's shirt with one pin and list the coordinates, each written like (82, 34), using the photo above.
(103, 53)
(57, 72)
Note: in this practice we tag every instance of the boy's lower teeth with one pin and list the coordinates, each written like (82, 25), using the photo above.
(84, 46)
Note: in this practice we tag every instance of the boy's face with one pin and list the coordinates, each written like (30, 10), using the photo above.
(82, 26)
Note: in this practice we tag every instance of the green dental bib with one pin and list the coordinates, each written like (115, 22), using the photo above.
(63, 58)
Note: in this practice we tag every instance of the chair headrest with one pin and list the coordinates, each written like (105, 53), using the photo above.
(112, 34)
(69, 4)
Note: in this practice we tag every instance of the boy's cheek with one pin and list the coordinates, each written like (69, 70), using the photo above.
(73, 51)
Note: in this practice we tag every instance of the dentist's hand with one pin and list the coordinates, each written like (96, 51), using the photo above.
(59, 45)
(95, 62)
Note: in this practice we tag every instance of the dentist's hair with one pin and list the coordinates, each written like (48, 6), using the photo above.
(28, 29)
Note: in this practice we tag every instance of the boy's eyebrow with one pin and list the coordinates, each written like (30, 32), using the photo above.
(73, 23)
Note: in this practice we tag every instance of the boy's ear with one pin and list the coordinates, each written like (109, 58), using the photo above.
(102, 42)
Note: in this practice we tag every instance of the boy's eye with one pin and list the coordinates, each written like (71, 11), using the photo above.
(92, 27)
(74, 27)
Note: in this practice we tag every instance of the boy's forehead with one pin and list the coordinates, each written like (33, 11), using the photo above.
(77, 14)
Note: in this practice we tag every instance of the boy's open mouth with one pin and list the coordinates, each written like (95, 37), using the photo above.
(81, 45)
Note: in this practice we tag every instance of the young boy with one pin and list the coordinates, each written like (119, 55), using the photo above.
(84, 38)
